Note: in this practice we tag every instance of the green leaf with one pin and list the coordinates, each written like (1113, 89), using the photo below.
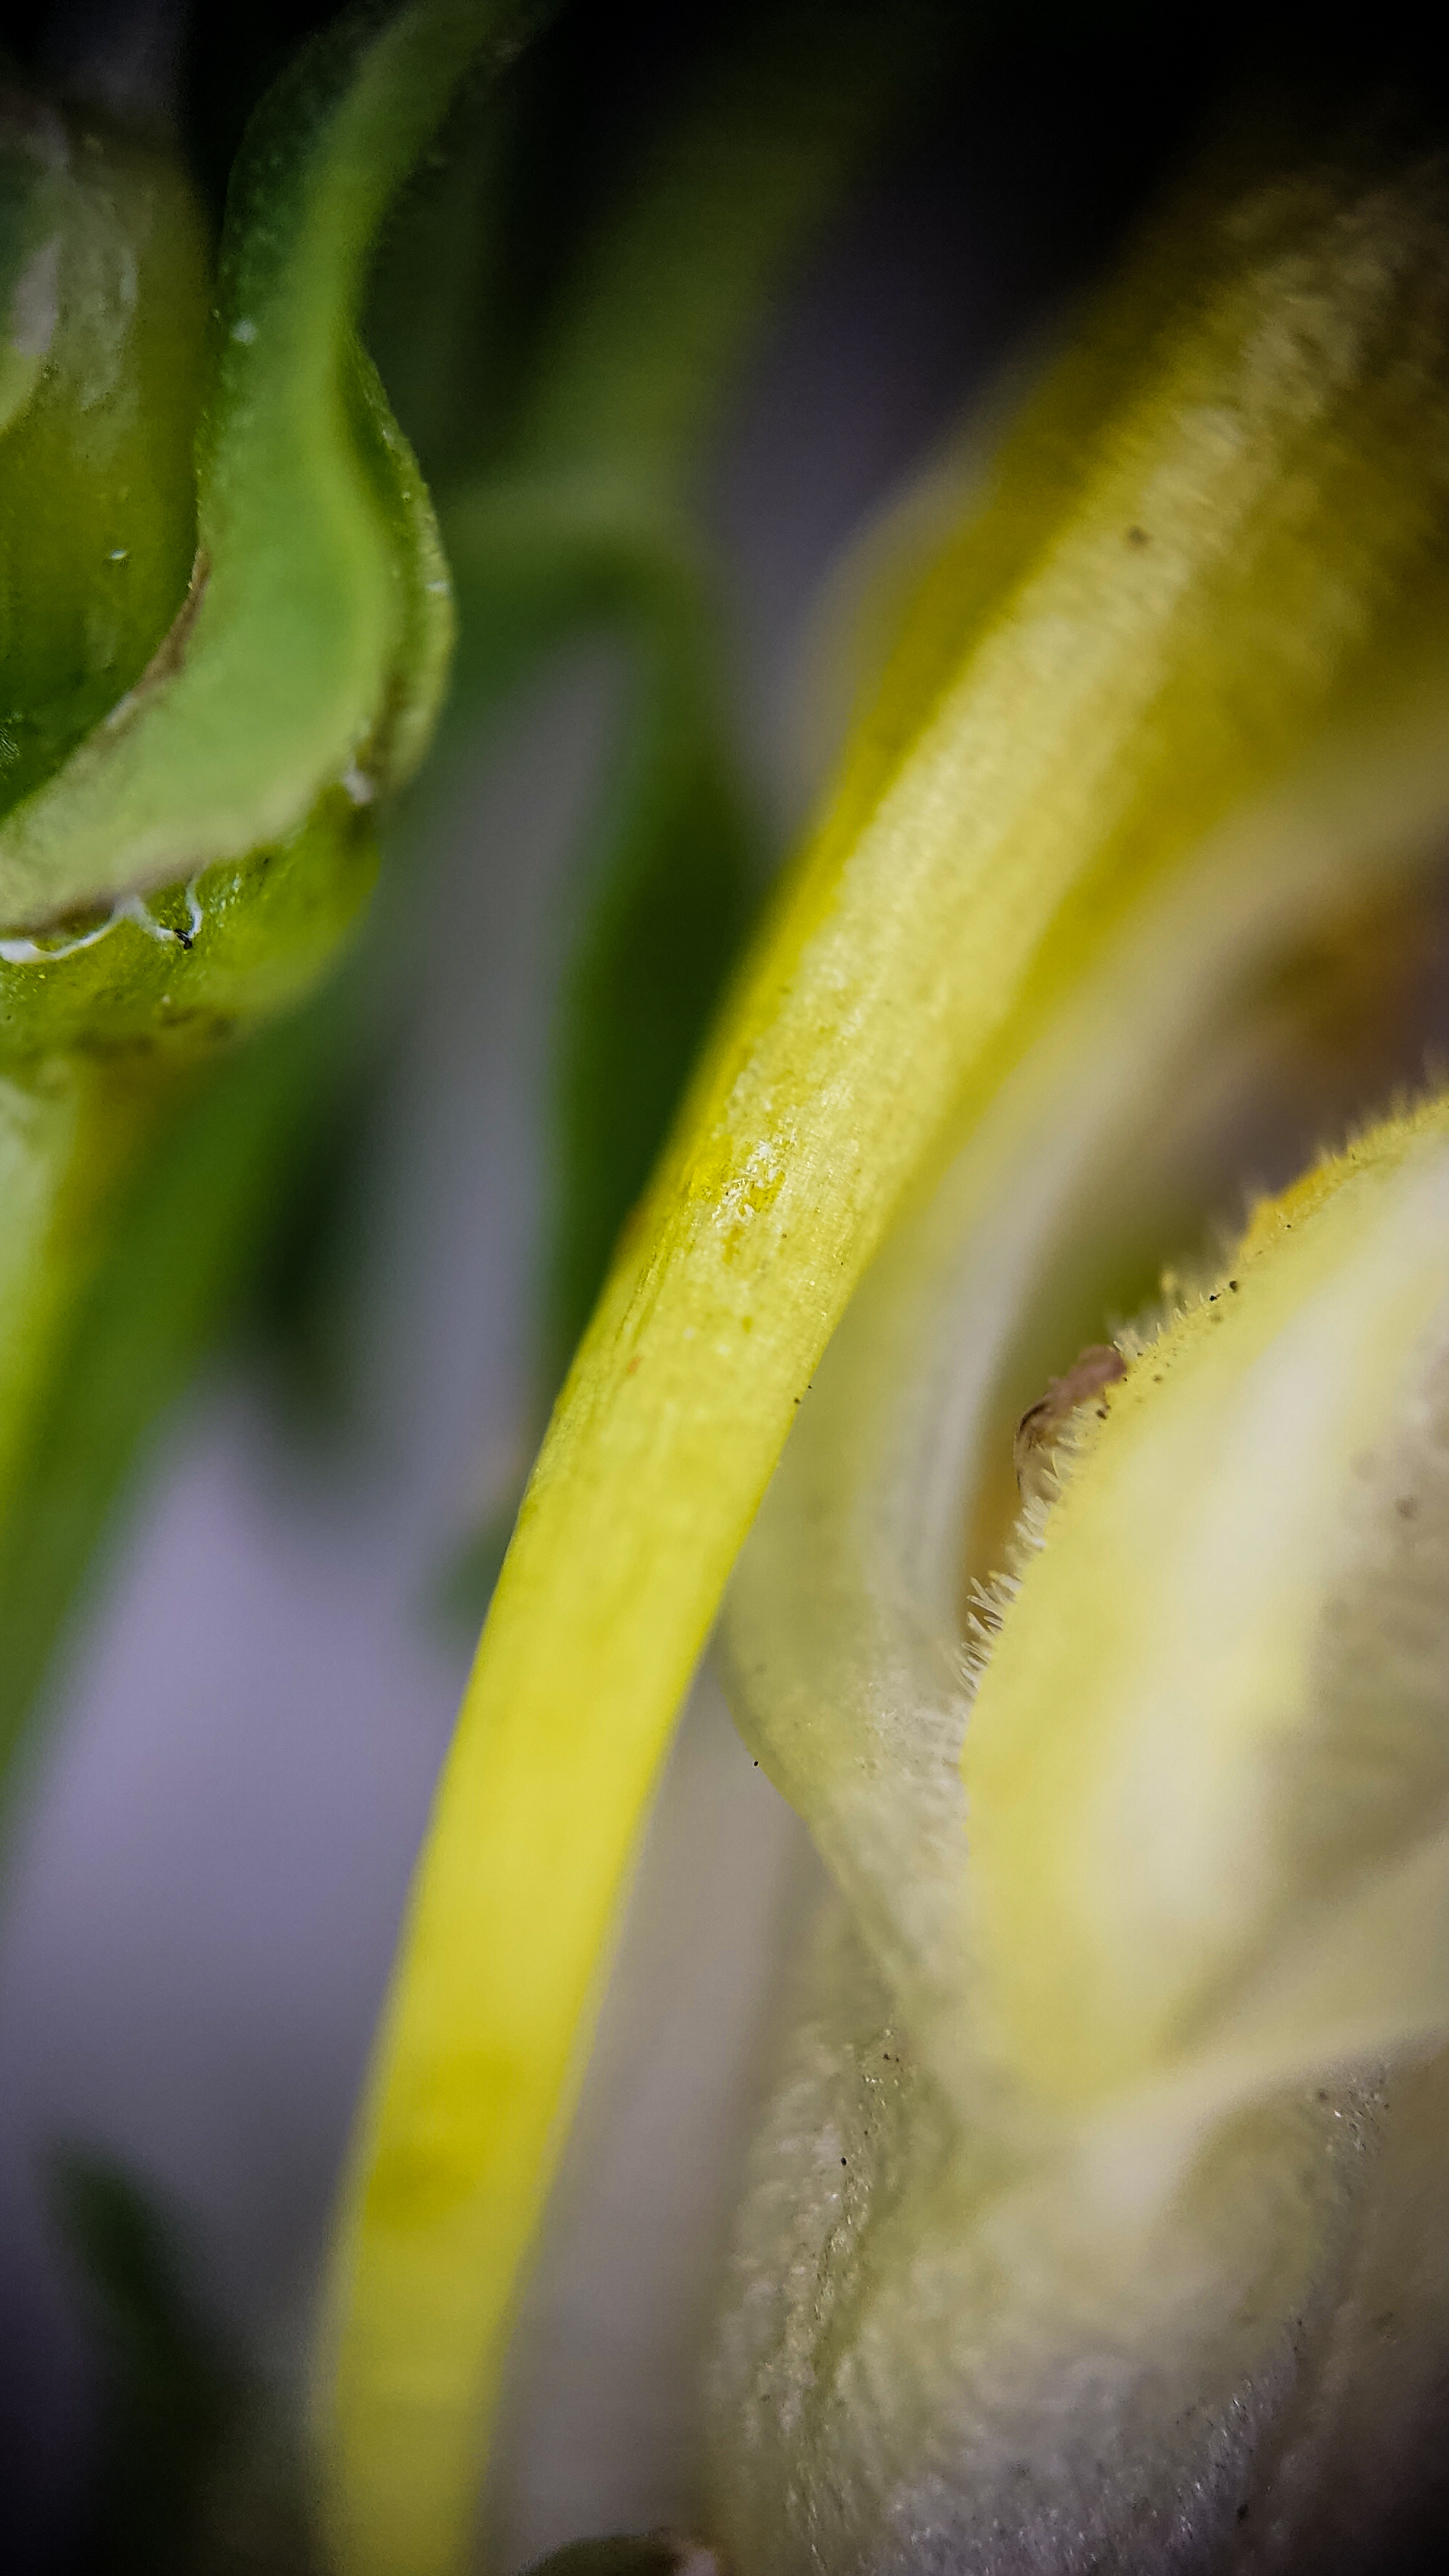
(653, 321)
(172, 2389)
(103, 294)
(309, 655)
(196, 2472)
(185, 1239)
(301, 678)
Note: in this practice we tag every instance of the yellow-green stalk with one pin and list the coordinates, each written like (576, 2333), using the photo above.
(1223, 522)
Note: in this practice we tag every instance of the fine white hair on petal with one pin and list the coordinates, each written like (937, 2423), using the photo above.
(965, 2332)
(929, 2367)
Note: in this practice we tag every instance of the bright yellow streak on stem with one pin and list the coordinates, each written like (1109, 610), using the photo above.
(1180, 581)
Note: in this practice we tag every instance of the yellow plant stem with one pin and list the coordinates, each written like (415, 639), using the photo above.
(1165, 627)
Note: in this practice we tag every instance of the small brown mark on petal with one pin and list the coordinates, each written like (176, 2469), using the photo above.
(1040, 1428)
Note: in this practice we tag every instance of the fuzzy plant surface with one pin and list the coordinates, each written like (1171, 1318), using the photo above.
(1065, 2174)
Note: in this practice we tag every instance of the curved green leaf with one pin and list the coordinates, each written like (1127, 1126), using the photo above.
(293, 669)
(103, 290)
(238, 774)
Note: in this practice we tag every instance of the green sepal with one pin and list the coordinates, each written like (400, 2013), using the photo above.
(310, 652)
(236, 778)
(188, 963)
(103, 324)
